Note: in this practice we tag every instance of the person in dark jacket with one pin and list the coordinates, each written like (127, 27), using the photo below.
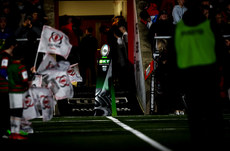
(88, 49)
(26, 28)
(163, 25)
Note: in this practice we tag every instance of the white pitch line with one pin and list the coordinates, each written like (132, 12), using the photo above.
(142, 136)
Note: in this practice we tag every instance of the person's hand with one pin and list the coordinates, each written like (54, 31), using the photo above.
(27, 23)
(33, 69)
(115, 36)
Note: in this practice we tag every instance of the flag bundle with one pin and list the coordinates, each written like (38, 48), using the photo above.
(58, 76)
(53, 80)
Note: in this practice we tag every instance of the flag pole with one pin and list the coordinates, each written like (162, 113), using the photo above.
(36, 58)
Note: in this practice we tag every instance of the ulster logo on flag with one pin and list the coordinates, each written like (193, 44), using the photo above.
(28, 102)
(45, 102)
(62, 81)
(71, 72)
(55, 40)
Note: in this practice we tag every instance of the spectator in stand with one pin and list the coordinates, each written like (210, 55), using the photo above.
(220, 22)
(26, 28)
(206, 11)
(152, 10)
(227, 13)
(12, 15)
(22, 9)
(146, 19)
(206, 3)
(37, 20)
(149, 13)
(164, 100)
(162, 27)
(21, 6)
(36, 5)
(5, 32)
(34, 9)
(178, 11)
(207, 8)
(168, 6)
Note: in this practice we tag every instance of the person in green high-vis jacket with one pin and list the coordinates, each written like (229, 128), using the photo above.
(196, 58)
(195, 45)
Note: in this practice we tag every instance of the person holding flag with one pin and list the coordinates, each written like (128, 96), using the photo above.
(18, 85)
(5, 61)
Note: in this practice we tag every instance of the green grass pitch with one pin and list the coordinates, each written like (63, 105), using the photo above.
(101, 133)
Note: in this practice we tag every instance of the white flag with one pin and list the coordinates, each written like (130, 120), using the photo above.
(62, 65)
(47, 105)
(54, 41)
(37, 81)
(44, 101)
(74, 73)
(48, 62)
(30, 110)
(58, 82)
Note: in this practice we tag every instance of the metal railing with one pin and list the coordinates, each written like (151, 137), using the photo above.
(25, 39)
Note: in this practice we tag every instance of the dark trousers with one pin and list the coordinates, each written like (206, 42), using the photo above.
(4, 112)
(200, 85)
(88, 74)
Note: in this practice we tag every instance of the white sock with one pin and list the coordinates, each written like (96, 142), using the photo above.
(15, 124)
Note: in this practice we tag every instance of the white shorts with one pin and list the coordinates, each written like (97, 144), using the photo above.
(16, 100)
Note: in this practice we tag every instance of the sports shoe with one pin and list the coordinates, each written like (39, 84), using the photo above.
(23, 133)
(6, 134)
(177, 112)
(8, 131)
(17, 137)
(27, 129)
(181, 112)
